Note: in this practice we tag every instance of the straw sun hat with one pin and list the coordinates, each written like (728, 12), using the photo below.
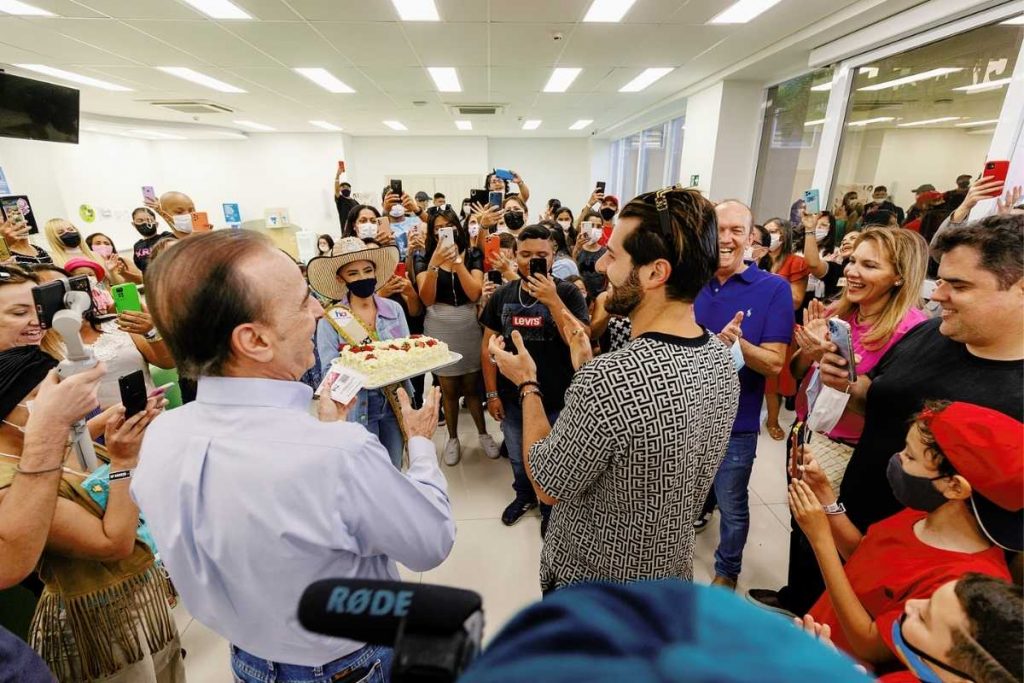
(322, 271)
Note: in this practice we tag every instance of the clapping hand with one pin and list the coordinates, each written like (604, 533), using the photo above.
(1009, 201)
(732, 332)
(507, 266)
(487, 215)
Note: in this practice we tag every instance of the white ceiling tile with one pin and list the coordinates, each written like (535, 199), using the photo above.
(639, 45)
(292, 43)
(345, 10)
(538, 11)
(58, 50)
(206, 40)
(368, 44)
(526, 44)
(448, 44)
(140, 9)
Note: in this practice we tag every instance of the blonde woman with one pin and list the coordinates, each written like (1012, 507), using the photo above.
(66, 242)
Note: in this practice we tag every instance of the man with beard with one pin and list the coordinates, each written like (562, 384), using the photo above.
(630, 459)
(753, 310)
(540, 308)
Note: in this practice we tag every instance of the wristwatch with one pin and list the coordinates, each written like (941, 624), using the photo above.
(836, 508)
(152, 335)
(491, 394)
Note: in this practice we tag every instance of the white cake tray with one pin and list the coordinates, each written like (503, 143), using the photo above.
(453, 358)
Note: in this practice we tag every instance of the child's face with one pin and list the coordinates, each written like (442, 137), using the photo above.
(929, 624)
(915, 457)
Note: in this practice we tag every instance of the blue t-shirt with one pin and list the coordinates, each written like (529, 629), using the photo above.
(767, 304)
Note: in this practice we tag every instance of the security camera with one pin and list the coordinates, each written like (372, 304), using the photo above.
(558, 35)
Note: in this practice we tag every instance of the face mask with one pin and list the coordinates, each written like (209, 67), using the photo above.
(467, 209)
(593, 234)
(916, 493)
(474, 230)
(820, 233)
(776, 241)
(366, 231)
(71, 240)
(346, 192)
(915, 659)
(748, 254)
(608, 213)
(146, 229)
(104, 250)
(565, 224)
(514, 220)
(397, 211)
(363, 288)
(183, 223)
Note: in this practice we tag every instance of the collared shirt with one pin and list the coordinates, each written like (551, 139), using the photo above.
(251, 499)
(767, 304)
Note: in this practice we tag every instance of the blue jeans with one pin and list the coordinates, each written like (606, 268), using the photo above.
(732, 491)
(381, 421)
(371, 664)
(512, 428)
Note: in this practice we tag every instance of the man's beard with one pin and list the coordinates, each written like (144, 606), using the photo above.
(625, 297)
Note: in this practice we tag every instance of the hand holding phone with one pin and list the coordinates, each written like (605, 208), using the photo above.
(996, 171)
(495, 198)
(396, 187)
(126, 297)
(341, 167)
(133, 393)
(812, 202)
(796, 451)
(494, 276)
(446, 237)
(538, 266)
(504, 174)
(599, 188)
(839, 333)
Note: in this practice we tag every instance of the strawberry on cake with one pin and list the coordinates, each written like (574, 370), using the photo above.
(385, 362)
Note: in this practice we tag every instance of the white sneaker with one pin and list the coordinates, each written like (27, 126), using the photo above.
(491, 449)
(452, 452)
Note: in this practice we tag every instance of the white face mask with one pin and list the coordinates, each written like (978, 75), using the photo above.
(397, 211)
(366, 231)
(183, 223)
(820, 233)
(776, 241)
(565, 224)
(748, 254)
(593, 234)
(474, 230)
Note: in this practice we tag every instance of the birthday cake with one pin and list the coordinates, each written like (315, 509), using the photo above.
(388, 361)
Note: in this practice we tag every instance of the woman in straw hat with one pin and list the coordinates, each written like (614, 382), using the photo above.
(351, 276)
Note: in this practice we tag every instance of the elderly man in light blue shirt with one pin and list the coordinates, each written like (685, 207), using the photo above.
(250, 496)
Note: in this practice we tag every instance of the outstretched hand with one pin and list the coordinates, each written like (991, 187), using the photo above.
(517, 367)
(579, 343)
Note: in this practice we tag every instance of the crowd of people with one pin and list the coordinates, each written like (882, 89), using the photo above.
(631, 353)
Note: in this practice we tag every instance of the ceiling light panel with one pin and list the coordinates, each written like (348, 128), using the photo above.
(743, 11)
(816, 122)
(865, 122)
(23, 9)
(972, 124)
(219, 9)
(445, 78)
(416, 10)
(561, 79)
(153, 134)
(914, 78)
(531, 124)
(199, 78)
(645, 79)
(987, 85)
(73, 77)
(325, 79)
(464, 125)
(395, 125)
(252, 125)
(822, 87)
(607, 10)
(326, 125)
(581, 124)
(925, 122)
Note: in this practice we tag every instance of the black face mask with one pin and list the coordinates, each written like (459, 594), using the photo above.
(608, 213)
(346, 192)
(364, 288)
(916, 493)
(71, 239)
(146, 229)
(514, 220)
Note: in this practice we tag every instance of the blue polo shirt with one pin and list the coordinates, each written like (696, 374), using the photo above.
(767, 304)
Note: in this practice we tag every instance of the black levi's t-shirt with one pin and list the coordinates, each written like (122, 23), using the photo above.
(512, 309)
(924, 365)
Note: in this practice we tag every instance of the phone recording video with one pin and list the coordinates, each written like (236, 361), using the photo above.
(133, 393)
(796, 451)
(538, 266)
(494, 276)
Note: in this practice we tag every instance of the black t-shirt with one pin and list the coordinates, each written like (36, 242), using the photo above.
(344, 204)
(512, 309)
(587, 262)
(827, 288)
(449, 288)
(144, 247)
(924, 365)
(26, 260)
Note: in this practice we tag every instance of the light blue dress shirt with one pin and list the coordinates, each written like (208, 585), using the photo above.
(251, 499)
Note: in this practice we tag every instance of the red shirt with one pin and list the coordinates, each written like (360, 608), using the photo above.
(606, 234)
(891, 565)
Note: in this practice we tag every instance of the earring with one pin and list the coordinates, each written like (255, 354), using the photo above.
(899, 283)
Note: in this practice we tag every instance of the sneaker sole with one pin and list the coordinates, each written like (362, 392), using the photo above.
(519, 518)
(769, 608)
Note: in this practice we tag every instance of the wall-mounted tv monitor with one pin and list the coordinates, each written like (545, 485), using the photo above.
(34, 110)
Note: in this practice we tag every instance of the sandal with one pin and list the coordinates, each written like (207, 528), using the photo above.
(776, 432)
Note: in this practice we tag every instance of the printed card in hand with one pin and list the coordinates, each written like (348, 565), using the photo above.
(346, 385)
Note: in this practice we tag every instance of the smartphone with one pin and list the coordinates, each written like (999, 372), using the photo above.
(383, 223)
(5, 252)
(494, 276)
(341, 167)
(798, 436)
(400, 269)
(200, 222)
(492, 247)
(600, 186)
(126, 297)
(812, 201)
(996, 170)
(538, 266)
(446, 236)
(839, 333)
(148, 193)
(396, 187)
(495, 198)
(133, 393)
(17, 209)
(478, 197)
(80, 283)
(504, 174)
(49, 298)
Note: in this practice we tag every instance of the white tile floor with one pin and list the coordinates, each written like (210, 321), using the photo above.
(501, 562)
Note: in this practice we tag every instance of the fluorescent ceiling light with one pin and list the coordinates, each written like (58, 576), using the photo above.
(416, 10)
(153, 135)
(581, 124)
(1016, 21)
(972, 124)
(16, 7)
(743, 11)
(987, 85)
(325, 79)
(531, 124)
(326, 125)
(395, 125)
(219, 9)
(561, 79)
(865, 122)
(464, 125)
(822, 87)
(925, 122)
(201, 79)
(645, 79)
(445, 78)
(816, 122)
(608, 10)
(73, 77)
(252, 125)
(987, 131)
(923, 76)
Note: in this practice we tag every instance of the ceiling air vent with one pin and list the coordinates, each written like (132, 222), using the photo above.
(192, 106)
(477, 109)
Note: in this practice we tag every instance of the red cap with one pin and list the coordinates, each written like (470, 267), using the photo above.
(930, 197)
(613, 199)
(79, 262)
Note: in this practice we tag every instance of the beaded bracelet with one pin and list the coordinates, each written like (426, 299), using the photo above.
(528, 392)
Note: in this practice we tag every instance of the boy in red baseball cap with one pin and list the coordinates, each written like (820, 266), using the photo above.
(961, 478)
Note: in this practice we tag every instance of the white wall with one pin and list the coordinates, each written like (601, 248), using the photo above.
(551, 167)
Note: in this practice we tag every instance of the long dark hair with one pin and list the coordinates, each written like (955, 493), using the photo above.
(786, 238)
(828, 245)
(766, 261)
(89, 240)
(350, 221)
(461, 232)
(326, 238)
(573, 232)
(557, 236)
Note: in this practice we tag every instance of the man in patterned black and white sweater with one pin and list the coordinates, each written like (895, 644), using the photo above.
(631, 457)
